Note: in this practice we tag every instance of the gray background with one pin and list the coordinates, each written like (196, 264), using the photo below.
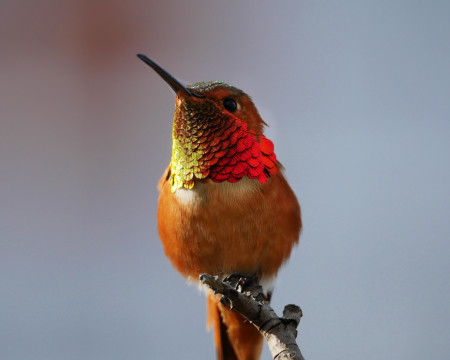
(356, 94)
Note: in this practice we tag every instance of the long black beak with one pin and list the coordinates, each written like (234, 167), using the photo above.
(174, 83)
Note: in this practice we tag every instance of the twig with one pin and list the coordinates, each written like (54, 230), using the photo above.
(279, 332)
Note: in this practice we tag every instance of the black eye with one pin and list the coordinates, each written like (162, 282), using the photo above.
(230, 104)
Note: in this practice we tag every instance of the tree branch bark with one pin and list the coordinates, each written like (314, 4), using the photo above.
(279, 332)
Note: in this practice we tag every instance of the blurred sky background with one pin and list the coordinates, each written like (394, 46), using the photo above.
(357, 96)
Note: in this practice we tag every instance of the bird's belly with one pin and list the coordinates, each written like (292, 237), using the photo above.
(222, 229)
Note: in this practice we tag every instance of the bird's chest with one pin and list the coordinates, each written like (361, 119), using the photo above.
(214, 227)
(224, 211)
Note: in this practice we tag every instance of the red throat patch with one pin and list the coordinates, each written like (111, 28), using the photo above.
(242, 155)
(220, 149)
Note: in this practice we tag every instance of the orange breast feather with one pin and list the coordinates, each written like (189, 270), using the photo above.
(222, 228)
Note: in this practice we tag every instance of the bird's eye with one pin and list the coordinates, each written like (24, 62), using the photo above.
(230, 104)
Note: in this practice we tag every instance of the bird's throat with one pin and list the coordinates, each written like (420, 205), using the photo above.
(220, 149)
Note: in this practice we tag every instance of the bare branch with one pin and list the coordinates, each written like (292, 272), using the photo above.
(279, 332)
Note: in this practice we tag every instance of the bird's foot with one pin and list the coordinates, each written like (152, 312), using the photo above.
(242, 282)
(248, 284)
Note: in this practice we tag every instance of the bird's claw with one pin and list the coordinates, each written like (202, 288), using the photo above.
(241, 282)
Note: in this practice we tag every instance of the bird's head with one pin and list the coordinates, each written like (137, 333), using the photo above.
(217, 134)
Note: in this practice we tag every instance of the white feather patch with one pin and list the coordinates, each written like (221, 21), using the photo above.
(228, 191)
(188, 197)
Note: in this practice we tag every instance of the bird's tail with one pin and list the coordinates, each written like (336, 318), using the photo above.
(235, 337)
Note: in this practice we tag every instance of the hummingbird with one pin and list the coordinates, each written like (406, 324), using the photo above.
(224, 206)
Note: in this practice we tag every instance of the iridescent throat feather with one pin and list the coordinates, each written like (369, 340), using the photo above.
(211, 144)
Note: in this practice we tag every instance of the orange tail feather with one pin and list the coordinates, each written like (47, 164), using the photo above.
(235, 337)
